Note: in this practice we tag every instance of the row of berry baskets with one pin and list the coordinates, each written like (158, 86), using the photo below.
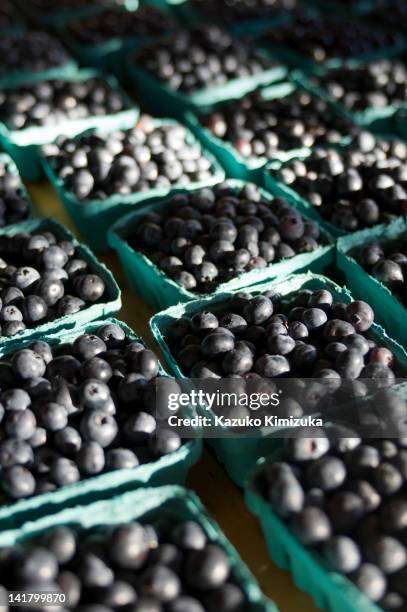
(237, 223)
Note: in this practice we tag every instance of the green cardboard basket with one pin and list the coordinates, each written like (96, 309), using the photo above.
(94, 218)
(391, 313)
(331, 591)
(12, 169)
(280, 189)
(383, 120)
(111, 305)
(191, 16)
(110, 54)
(157, 95)
(23, 144)
(360, 7)
(239, 455)
(295, 60)
(147, 506)
(160, 291)
(235, 164)
(58, 15)
(169, 469)
(14, 78)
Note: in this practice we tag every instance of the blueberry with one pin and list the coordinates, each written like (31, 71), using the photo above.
(258, 310)
(271, 366)
(52, 416)
(326, 473)
(64, 472)
(360, 315)
(96, 368)
(97, 426)
(18, 482)
(91, 458)
(386, 553)
(128, 546)
(162, 583)
(68, 440)
(207, 568)
(121, 459)
(286, 495)
(112, 335)
(217, 344)
(312, 526)
(87, 346)
(38, 566)
(15, 452)
(228, 597)
(189, 536)
(185, 604)
(20, 424)
(94, 571)
(28, 364)
(314, 318)
(34, 309)
(342, 554)
(303, 448)
(89, 287)
(370, 580)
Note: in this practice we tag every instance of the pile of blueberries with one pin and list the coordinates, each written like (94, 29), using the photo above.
(353, 188)
(232, 11)
(257, 127)
(77, 410)
(205, 56)
(321, 38)
(8, 14)
(343, 497)
(308, 335)
(96, 166)
(43, 278)
(14, 203)
(377, 84)
(207, 237)
(48, 103)
(389, 14)
(30, 51)
(169, 565)
(115, 23)
(387, 262)
(52, 5)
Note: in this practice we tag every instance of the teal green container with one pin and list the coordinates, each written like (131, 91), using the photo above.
(400, 120)
(382, 120)
(191, 16)
(239, 455)
(169, 469)
(11, 168)
(109, 55)
(235, 164)
(157, 95)
(303, 62)
(331, 591)
(391, 313)
(160, 291)
(94, 218)
(23, 145)
(12, 79)
(54, 17)
(279, 189)
(361, 7)
(111, 305)
(147, 506)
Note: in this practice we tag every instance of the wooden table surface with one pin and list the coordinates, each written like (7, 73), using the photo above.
(222, 498)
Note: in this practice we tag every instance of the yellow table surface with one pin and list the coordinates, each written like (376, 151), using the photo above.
(222, 498)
